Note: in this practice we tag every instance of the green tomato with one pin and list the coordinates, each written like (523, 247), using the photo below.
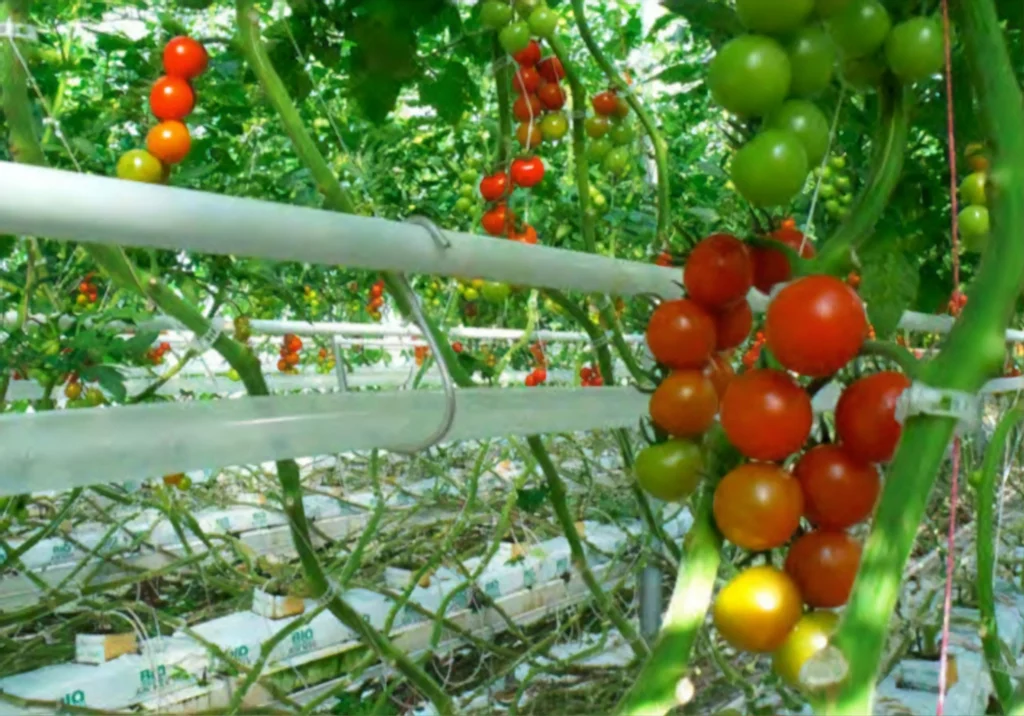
(598, 201)
(597, 126)
(828, 8)
(824, 172)
(467, 191)
(233, 375)
(464, 205)
(833, 207)
(622, 133)
(863, 74)
(827, 191)
(543, 22)
(51, 347)
(846, 199)
(94, 397)
(915, 49)
(807, 122)
(471, 294)
(837, 162)
(495, 14)
(773, 17)
(554, 126)
(810, 635)
(750, 75)
(670, 470)
(974, 228)
(468, 176)
(972, 189)
(140, 165)
(974, 479)
(494, 292)
(812, 60)
(616, 162)
(514, 38)
(861, 28)
(599, 149)
(771, 168)
(525, 8)
(842, 182)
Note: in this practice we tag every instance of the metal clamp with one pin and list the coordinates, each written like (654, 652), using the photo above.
(14, 31)
(447, 382)
(579, 113)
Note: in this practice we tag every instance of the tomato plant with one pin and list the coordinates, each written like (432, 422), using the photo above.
(866, 416)
(824, 564)
(766, 415)
(684, 404)
(839, 489)
(757, 609)
(670, 470)
(758, 506)
(681, 334)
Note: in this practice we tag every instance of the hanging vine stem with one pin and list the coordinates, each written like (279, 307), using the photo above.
(986, 562)
(974, 351)
(657, 141)
(560, 502)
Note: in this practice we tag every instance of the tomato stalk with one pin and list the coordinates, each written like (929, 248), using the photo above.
(894, 352)
(985, 546)
(501, 81)
(973, 352)
(657, 141)
(837, 256)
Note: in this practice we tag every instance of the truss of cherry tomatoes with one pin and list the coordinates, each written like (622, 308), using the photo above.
(376, 302)
(171, 99)
(88, 293)
(156, 354)
(289, 354)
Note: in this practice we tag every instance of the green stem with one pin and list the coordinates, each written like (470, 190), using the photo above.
(890, 146)
(559, 500)
(985, 546)
(895, 352)
(974, 351)
(501, 75)
(660, 148)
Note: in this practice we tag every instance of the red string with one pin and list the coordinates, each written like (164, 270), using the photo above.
(947, 603)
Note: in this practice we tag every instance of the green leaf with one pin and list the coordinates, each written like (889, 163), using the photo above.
(682, 72)
(7, 244)
(889, 283)
(109, 377)
(450, 93)
(706, 15)
(530, 499)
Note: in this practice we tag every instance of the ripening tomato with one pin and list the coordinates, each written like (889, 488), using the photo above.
(866, 416)
(766, 415)
(605, 103)
(758, 506)
(530, 55)
(685, 404)
(771, 267)
(171, 99)
(816, 325)
(527, 172)
(824, 563)
(185, 58)
(529, 134)
(733, 324)
(681, 334)
(551, 69)
(839, 489)
(554, 126)
(810, 635)
(527, 236)
(720, 372)
(282, 365)
(670, 470)
(139, 165)
(718, 272)
(494, 186)
(497, 220)
(169, 142)
(526, 80)
(551, 95)
(757, 609)
(527, 107)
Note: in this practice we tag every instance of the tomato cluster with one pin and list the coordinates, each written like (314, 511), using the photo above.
(973, 219)
(171, 99)
(420, 353)
(290, 347)
(88, 293)
(590, 376)
(786, 59)
(538, 376)
(311, 297)
(664, 259)
(376, 302)
(836, 188)
(155, 355)
(243, 329)
(610, 132)
(324, 361)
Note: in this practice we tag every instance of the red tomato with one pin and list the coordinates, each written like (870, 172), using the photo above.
(169, 142)
(185, 58)
(733, 324)
(685, 403)
(530, 56)
(457, 346)
(551, 95)
(171, 99)
(839, 489)
(527, 236)
(718, 272)
(551, 69)
(531, 380)
(527, 172)
(526, 80)
(816, 325)
(605, 103)
(771, 267)
(720, 372)
(866, 415)
(824, 564)
(282, 365)
(758, 506)
(494, 186)
(681, 334)
(376, 290)
(527, 107)
(541, 373)
(766, 415)
(497, 220)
